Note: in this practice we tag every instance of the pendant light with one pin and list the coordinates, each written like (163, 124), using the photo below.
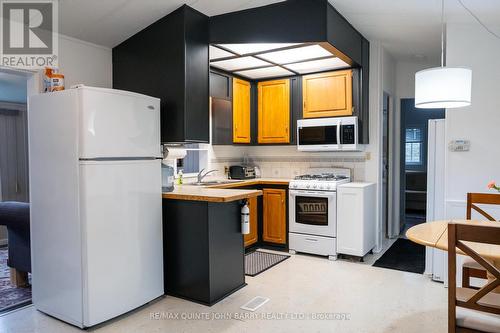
(443, 87)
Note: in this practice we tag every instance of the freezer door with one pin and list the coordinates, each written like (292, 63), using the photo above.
(118, 124)
(121, 212)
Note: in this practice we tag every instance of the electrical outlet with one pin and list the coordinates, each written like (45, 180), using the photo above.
(276, 172)
(368, 156)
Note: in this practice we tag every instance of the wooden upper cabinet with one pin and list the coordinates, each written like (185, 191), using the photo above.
(274, 216)
(274, 111)
(241, 111)
(252, 237)
(327, 94)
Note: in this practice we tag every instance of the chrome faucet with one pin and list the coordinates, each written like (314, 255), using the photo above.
(201, 175)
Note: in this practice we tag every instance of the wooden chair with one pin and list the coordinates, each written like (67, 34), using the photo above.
(471, 310)
(470, 267)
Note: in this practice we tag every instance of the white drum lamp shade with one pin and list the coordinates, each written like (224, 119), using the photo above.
(443, 87)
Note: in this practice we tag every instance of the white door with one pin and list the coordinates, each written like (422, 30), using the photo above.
(436, 260)
(116, 123)
(121, 214)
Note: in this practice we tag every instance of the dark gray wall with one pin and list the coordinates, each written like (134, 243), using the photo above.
(415, 175)
(417, 118)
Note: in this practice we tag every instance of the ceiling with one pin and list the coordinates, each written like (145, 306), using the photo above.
(264, 60)
(110, 22)
(409, 29)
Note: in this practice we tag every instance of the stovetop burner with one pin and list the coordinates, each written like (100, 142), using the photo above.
(322, 177)
(321, 180)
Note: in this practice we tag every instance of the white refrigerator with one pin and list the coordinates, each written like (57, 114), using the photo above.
(96, 210)
(436, 260)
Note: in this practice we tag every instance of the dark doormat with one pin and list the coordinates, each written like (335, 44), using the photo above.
(403, 255)
(258, 261)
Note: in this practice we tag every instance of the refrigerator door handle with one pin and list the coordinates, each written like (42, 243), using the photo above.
(138, 158)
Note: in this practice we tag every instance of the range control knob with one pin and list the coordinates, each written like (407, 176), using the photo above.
(308, 185)
(314, 186)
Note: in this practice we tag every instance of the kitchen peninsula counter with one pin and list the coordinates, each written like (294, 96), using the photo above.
(203, 248)
(209, 194)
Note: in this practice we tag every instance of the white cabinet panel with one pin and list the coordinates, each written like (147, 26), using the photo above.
(356, 218)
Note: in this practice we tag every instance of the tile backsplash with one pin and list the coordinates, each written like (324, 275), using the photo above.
(288, 163)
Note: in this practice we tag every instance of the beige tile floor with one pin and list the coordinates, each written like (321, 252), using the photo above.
(375, 299)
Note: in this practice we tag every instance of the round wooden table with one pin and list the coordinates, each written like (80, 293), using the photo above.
(435, 234)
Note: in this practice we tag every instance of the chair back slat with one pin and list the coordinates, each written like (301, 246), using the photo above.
(474, 255)
(481, 198)
(483, 299)
(482, 212)
(478, 233)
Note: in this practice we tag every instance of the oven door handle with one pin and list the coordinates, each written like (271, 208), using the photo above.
(322, 194)
(339, 129)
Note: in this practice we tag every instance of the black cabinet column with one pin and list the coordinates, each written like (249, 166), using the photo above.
(169, 60)
(203, 249)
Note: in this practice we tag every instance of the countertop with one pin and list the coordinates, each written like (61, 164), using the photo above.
(201, 193)
(222, 192)
(255, 181)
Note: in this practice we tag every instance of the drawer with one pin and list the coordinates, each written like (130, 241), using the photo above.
(324, 246)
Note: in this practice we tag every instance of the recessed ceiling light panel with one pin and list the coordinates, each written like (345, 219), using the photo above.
(248, 48)
(296, 54)
(239, 63)
(317, 65)
(216, 53)
(260, 73)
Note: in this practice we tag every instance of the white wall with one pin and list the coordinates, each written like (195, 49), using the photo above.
(405, 76)
(472, 46)
(83, 62)
(382, 78)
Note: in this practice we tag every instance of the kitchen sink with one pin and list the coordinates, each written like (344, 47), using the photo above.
(216, 182)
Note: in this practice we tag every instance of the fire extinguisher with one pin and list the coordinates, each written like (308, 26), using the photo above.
(245, 218)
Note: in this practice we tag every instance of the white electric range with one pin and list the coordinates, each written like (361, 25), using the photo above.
(313, 211)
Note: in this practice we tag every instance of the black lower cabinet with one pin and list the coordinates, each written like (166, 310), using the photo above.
(203, 250)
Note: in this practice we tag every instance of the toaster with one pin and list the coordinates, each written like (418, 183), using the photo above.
(241, 172)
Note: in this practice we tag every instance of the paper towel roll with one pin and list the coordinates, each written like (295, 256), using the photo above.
(174, 153)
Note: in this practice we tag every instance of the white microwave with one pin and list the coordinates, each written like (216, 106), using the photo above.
(328, 134)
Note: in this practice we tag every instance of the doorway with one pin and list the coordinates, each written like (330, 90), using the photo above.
(413, 167)
(15, 289)
(403, 254)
